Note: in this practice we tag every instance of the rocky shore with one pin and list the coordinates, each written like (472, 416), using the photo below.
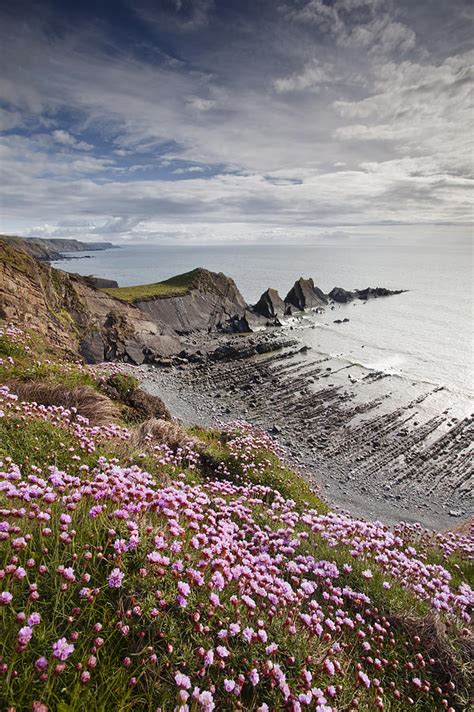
(368, 449)
(377, 445)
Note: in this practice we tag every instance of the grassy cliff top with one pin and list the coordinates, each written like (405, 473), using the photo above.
(173, 287)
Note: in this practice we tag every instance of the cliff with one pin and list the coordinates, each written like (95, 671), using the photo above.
(199, 300)
(74, 316)
(48, 250)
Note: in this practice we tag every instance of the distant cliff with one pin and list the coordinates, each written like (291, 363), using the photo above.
(50, 249)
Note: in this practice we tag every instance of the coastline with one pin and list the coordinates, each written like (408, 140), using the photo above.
(367, 447)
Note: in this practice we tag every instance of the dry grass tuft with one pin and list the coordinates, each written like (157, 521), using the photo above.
(98, 408)
(158, 431)
(453, 654)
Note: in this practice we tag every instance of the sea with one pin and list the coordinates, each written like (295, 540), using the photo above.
(424, 335)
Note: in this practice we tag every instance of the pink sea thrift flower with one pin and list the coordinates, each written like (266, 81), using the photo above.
(115, 578)
(62, 649)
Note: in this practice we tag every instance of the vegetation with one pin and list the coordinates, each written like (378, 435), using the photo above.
(147, 567)
(173, 287)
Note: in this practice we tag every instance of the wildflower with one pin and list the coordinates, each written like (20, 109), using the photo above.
(24, 635)
(34, 619)
(254, 677)
(41, 664)
(206, 700)
(209, 658)
(182, 680)
(5, 598)
(229, 685)
(62, 649)
(115, 578)
(364, 678)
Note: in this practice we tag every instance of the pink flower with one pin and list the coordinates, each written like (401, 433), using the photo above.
(24, 635)
(41, 664)
(329, 667)
(62, 649)
(254, 677)
(182, 680)
(209, 658)
(5, 598)
(364, 678)
(34, 619)
(206, 700)
(115, 579)
(367, 573)
(229, 685)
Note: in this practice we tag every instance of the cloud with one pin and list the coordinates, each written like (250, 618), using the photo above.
(66, 139)
(380, 35)
(338, 120)
(313, 76)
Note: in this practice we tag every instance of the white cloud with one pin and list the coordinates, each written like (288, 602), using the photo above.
(313, 76)
(66, 139)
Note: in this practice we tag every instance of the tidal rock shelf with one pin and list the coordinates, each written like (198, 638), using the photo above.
(372, 451)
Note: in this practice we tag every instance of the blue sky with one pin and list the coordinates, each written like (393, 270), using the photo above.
(208, 121)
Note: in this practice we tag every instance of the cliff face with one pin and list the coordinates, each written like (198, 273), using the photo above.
(211, 303)
(74, 316)
(47, 250)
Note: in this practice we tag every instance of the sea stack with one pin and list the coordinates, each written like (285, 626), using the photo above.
(304, 295)
(270, 304)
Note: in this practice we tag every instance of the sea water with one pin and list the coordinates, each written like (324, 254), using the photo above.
(424, 334)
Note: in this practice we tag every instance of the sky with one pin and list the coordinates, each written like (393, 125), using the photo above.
(235, 120)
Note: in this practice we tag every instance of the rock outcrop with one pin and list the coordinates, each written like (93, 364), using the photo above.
(374, 292)
(340, 295)
(75, 317)
(270, 304)
(304, 295)
(212, 303)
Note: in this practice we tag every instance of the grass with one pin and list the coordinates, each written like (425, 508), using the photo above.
(273, 472)
(173, 287)
(175, 634)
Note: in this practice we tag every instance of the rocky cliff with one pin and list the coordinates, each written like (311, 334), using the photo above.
(48, 250)
(75, 316)
(210, 302)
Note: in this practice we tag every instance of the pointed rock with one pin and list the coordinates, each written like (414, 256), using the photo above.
(304, 295)
(270, 304)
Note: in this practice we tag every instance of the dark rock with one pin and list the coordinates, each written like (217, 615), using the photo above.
(304, 295)
(375, 292)
(340, 295)
(100, 282)
(270, 304)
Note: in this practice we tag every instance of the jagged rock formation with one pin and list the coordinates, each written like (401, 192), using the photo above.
(211, 303)
(373, 293)
(74, 316)
(338, 294)
(304, 295)
(270, 304)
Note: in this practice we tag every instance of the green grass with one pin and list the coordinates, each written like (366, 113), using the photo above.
(275, 475)
(173, 287)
